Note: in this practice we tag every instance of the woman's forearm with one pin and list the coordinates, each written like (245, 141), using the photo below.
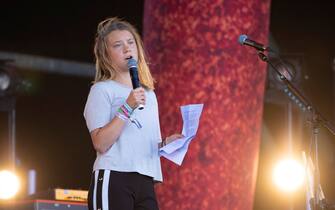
(103, 138)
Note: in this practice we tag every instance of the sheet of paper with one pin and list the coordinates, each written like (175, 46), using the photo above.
(176, 150)
(177, 156)
(191, 115)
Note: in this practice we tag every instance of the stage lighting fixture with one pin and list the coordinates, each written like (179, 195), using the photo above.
(8, 78)
(288, 175)
(288, 70)
(4, 81)
(290, 66)
(9, 185)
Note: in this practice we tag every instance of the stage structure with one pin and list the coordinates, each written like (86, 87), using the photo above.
(196, 58)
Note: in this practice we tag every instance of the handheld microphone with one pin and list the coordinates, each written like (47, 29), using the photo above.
(132, 66)
(243, 40)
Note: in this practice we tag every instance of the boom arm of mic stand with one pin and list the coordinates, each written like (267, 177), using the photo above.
(298, 95)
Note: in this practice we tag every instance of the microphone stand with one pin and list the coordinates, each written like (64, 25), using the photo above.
(318, 202)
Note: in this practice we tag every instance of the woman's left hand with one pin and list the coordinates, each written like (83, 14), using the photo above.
(173, 137)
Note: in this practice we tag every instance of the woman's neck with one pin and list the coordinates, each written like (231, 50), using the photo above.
(123, 78)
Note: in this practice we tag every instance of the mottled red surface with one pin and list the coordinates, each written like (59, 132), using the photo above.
(195, 58)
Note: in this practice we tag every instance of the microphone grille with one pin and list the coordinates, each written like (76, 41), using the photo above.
(132, 63)
(242, 38)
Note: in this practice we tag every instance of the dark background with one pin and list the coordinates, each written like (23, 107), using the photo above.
(52, 137)
(51, 133)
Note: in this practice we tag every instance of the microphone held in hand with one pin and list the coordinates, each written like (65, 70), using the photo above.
(243, 40)
(132, 66)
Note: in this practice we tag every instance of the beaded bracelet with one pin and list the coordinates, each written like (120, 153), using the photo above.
(126, 110)
(124, 113)
(126, 105)
(121, 116)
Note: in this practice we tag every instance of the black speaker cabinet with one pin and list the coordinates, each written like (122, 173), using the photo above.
(44, 205)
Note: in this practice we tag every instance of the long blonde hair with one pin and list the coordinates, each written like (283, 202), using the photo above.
(103, 65)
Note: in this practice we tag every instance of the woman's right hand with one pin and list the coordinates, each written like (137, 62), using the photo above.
(136, 97)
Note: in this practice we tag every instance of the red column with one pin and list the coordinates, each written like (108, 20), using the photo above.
(195, 58)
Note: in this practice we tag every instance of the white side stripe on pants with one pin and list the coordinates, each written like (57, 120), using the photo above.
(101, 190)
(105, 186)
(96, 173)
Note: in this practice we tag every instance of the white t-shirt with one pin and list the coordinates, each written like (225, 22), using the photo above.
(136, 149)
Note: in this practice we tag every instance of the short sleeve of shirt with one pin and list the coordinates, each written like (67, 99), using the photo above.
(97, 110)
